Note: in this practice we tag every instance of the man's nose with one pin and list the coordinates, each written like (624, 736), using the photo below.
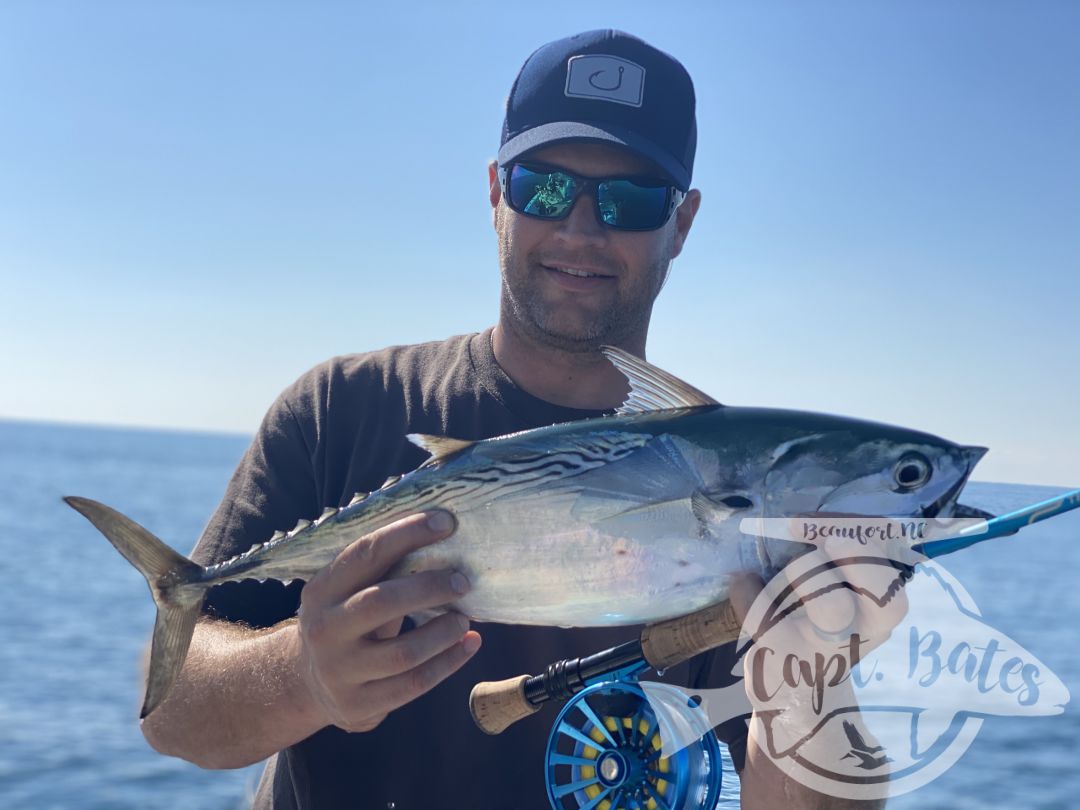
(581, 224)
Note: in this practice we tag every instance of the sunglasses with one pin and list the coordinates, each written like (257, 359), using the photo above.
(623, 203)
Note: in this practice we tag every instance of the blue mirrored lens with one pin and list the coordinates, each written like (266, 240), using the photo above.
(625, 204)
(542, 194)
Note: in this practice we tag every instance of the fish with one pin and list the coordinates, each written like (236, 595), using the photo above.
(624, 519)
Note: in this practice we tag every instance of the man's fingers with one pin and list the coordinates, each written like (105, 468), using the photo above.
(366, 560)
(388, 630)
(864, 590)
(384, 659)
(827, 598)
(395, 691)
(876, 582)
(376, 605)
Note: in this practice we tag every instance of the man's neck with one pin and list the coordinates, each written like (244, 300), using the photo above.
(585, 380)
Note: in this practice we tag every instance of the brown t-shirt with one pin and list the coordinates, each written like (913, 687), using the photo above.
(341, 429)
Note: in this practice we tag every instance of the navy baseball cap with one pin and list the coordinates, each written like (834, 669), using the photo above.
(604, 87)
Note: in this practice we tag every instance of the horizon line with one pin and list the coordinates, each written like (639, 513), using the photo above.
(223, 433)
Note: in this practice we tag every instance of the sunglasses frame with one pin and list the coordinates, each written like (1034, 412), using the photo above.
(674, 195)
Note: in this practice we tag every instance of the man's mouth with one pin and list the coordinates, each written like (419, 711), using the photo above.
(577, 272)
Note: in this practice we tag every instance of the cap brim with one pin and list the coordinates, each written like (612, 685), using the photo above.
(580, 132)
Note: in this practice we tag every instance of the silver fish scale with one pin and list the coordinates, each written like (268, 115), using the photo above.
(309, 547)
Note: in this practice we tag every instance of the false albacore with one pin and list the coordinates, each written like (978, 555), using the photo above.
(624, 519)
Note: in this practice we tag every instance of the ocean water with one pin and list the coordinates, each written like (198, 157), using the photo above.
(77, 617)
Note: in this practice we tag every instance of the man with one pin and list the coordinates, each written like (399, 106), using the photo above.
(357, 707)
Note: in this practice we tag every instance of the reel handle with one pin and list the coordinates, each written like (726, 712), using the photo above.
(497, 705)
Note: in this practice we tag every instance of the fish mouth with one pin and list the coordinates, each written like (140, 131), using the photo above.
(971, 454)
(946, 499)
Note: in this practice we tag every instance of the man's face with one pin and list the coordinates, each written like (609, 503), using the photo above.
(544, 302)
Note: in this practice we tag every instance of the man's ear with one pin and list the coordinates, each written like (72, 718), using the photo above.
(494, 192)
(684, 218)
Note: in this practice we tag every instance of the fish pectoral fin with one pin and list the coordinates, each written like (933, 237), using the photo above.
(591, 507)
(652, 388)
(714, 508)
(441, 448)
(599, 511)
(579, 504)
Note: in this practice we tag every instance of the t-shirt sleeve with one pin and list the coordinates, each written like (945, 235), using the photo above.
(272, 488)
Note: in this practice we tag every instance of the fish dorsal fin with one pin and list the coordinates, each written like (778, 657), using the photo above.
(440, 447)
(652, 388)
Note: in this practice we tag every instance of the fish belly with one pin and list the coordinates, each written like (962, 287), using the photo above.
(553, 569)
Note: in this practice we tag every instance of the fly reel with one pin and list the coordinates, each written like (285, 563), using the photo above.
(620, 743)
(614, 748)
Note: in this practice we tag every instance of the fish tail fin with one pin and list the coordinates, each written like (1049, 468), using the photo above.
(174, 583)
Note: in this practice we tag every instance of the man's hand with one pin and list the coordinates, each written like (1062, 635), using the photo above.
(244, 694)
(352, 658)
(835, 605)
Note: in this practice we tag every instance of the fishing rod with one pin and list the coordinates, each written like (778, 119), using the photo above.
(496, 705)
(1001, 525)
(605, 744)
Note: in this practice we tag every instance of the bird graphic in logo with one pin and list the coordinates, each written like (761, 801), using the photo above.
(862, 751)
(616, 86)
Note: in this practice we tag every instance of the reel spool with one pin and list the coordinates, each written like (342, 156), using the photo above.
(612, 749)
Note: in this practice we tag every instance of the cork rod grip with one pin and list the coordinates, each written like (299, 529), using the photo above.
(668, 643)
(496, 705)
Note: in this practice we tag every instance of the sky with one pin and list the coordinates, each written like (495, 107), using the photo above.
(202, 200)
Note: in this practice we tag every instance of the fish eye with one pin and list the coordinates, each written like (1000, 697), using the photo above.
(737, 502)
(911, 471)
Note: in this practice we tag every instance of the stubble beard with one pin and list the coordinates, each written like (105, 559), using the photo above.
(626, 316)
